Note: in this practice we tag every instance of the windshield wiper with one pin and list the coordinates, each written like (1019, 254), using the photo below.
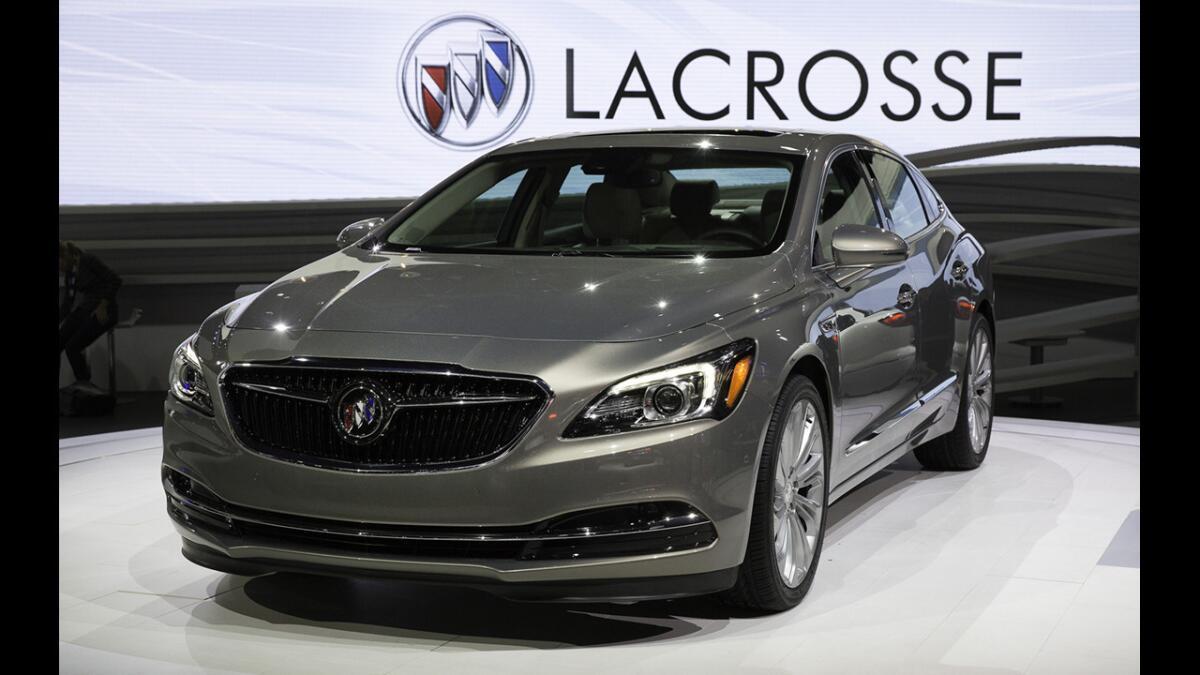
(575, 251)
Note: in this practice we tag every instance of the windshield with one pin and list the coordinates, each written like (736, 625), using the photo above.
(611, 201)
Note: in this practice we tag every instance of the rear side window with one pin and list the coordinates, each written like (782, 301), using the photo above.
(899, 194)
(929, 197)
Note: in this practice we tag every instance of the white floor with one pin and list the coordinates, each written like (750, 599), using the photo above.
(991, 571)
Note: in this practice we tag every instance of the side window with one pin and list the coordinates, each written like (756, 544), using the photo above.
(899, 194)
(846, 200)
(478, 221)
(929, 197)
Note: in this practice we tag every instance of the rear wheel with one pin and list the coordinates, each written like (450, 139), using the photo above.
(787, 524)
(967, 444)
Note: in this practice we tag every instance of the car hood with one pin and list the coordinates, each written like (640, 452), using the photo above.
(513, 296)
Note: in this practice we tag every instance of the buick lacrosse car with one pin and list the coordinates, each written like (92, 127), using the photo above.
(614, 366)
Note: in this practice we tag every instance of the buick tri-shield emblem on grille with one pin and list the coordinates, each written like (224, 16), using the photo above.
(359, 413)
(455, 65)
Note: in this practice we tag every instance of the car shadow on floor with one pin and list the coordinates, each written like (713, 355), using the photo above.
(389, 608)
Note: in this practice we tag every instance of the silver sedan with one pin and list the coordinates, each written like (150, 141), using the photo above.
(616, 366)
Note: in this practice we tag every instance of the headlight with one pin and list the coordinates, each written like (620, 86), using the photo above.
(709, 385)
(186, 379)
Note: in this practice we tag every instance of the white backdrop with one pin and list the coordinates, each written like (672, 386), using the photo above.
(232, 100)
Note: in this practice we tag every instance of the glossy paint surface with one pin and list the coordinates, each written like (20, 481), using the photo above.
(888, 341)
(529, 297)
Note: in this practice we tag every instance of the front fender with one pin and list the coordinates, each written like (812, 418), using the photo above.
(790, 339)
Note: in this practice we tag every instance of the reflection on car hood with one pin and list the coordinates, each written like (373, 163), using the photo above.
(514, 296)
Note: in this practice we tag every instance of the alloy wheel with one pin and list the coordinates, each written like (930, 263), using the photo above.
(979, 391)
(799, 493)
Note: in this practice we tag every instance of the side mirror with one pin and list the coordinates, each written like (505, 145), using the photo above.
(866, 246)
(356, 231)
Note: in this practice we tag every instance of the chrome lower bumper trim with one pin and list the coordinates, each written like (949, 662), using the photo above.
(626, 530)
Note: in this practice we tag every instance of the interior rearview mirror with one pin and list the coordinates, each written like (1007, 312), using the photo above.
(866, 246)
(356, 231)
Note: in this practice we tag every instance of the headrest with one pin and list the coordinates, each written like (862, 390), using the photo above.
(694, 198)
(772, 202)
(772, 206)
(611, 212)
(834, 201)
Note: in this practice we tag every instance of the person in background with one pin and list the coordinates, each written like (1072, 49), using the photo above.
(89, 304)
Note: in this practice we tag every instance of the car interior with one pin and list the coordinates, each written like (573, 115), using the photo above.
(644, 201)
(694, 212)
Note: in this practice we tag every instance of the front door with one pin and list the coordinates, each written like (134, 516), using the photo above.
(874, 325)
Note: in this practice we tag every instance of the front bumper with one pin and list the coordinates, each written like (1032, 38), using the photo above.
(584, 590)
(648, 527)
(706, 465)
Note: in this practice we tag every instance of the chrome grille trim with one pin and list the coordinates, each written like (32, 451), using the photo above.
(472, 400)
(280, 391)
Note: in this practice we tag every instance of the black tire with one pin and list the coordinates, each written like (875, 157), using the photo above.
(954, 451)
(760, 586)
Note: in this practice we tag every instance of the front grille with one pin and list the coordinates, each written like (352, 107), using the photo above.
(431, 418)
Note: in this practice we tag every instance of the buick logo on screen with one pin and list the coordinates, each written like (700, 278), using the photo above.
(465, 81)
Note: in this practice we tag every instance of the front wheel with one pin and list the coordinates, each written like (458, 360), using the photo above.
(787, 525)
(967, 444)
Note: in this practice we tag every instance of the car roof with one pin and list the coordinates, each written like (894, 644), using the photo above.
(775, 141)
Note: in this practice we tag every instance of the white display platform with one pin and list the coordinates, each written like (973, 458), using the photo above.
(1029, 564)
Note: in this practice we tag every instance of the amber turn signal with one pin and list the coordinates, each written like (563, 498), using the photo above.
(737, 381)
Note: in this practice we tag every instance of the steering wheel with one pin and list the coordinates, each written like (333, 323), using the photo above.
(734, 234)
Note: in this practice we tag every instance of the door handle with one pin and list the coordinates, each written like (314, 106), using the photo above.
(906, 298)
(959, 270)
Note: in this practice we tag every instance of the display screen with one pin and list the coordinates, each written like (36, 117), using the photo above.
(253, 100)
